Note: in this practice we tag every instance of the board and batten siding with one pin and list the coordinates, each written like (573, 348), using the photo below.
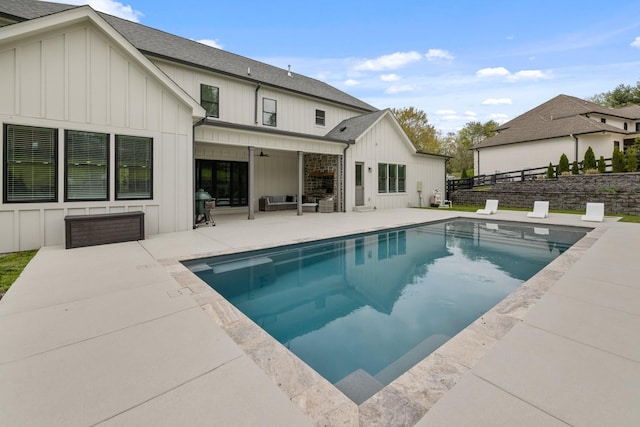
(385, 143)
(295, 112)
(77, 78)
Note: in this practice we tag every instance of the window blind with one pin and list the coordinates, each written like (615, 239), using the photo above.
(87, 166)
(30, 164)
(134, 169)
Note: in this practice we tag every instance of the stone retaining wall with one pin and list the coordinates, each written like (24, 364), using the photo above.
(619, 192)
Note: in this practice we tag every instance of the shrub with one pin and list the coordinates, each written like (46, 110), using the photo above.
(550, 171)
(464, 174)
(575, 170)
(590, 171)
(589, 160)
(631, 159)
(563, 164)
(617, 161)
(602, 166)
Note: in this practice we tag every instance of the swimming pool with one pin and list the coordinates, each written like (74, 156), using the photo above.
(361, 310)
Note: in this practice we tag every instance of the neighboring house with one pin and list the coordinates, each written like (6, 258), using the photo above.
(564, 124)
(103, 115)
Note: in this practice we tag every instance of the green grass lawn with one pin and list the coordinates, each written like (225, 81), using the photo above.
(469, 208)
(11, 265)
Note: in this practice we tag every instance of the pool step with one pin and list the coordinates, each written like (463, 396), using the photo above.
(359, 386)
(410, 358)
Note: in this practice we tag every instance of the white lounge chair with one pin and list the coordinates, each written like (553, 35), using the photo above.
(490, 207)
(540, 210)
(595, 212)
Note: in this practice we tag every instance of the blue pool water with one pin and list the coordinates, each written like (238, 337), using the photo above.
(364, 309)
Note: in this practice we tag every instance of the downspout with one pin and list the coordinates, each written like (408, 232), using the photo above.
(193, 175)
(576, 146)
(344, 175)
(255, 106)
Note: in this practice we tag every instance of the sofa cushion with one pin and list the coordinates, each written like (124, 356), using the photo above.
(277, 199)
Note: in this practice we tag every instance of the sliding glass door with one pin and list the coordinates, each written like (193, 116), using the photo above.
(226, 181)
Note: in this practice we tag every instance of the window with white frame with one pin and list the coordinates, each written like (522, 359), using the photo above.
(391, 178)
(86, 166)
(269, 113)
(30, 168)
(320, 117)
(210, 100)
(134, 167)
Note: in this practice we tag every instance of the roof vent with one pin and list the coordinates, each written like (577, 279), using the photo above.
(289, 72)
(342, 129)
(248, 71)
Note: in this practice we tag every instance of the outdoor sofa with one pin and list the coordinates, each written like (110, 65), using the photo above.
(277, 203)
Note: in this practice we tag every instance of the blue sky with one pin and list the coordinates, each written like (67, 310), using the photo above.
(459, 61)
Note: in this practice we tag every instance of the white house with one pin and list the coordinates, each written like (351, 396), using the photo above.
(103, 115)
(562, 125)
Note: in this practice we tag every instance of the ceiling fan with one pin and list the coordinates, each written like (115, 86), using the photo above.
(262, 154)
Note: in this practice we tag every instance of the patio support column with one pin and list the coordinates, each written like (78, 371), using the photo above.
(300, 180)
(250, 183)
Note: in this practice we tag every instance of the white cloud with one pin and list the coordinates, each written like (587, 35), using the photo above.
(389, 77)
(529, 75)
(209, 42)
(110, 7)
(351, 82)
(493, 72)
(496, 101)
(439, 54)
(636, 42)
(398, 89)
(445, 112)
(389, 62)
(520, 75)
(470, 114)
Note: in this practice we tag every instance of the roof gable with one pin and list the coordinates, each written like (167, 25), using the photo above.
(559, 117)
(85, 13)
(350, 130)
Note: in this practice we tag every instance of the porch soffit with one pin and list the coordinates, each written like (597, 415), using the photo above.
(246, 136)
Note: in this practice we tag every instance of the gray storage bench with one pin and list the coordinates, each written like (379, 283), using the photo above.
(99, 229)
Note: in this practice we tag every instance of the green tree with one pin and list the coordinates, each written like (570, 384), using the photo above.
(617, 161)
(621, 96)
(461, 147)
(575, 169)
(550, 171)
(463, 174)
(563, 164)
(602, 166)
(415, 124)
(589, 160)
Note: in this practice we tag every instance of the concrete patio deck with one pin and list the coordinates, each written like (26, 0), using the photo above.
(121, 335)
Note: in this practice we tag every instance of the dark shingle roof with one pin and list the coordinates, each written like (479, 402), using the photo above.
(164, 45)
(21, 10)
(351, 129)
(561, 116)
